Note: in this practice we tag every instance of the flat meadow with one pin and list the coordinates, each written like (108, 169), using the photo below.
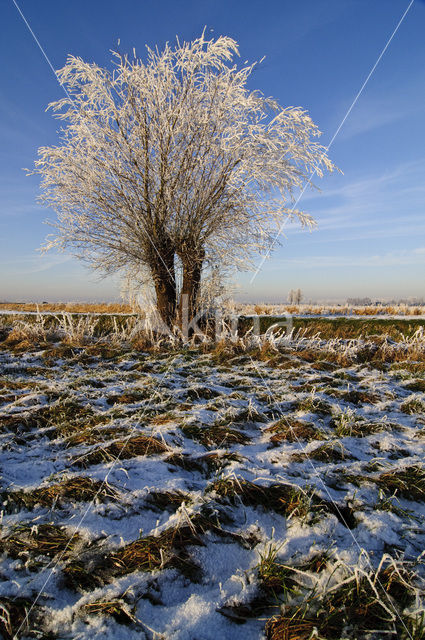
(245, 489)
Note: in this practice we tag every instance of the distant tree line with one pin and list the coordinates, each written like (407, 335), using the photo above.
(365, 302)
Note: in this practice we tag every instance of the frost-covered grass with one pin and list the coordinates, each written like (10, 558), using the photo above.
(231, 491)
(333, 310)
(242, 308)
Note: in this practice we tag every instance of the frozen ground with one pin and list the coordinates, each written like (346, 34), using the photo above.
(193, 496)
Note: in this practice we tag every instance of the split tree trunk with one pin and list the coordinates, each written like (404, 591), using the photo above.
(166, 299)
(189, 298)
(164, 278)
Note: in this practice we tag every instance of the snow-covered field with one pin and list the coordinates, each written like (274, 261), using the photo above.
(195, 495)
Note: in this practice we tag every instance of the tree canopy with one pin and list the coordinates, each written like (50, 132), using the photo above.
(169, 166)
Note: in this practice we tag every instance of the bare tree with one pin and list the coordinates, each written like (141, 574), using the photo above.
(173, 164)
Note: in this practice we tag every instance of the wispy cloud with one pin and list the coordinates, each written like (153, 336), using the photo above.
(384, 104)
(412, 171)
(390, 259)
(382, 202)
(22, 265)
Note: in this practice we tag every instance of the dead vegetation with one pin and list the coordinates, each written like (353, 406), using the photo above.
(275, 578)
(151, 553)
(167, 417)
(129, 397)
(20, 340)
(167, 550)
(214, 435)
(81, 577)
(139, 445)
(356, 396)
(332, 451)
(416, 385)
(409, 482)
(348, 423)
(116, 608)
(39, 540)
(93, 436)
(413, 405)
(76, 489)
(292, 430)
(289, 628)
(18, 615)
(70, 307)
(57, 419)
(363, 604)
(313, 404)
(285, 499)
(167, 500)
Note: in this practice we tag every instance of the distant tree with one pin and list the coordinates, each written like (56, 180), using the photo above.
(295, 296)
(167, 167)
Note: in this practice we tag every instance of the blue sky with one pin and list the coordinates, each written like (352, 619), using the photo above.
(370, 239)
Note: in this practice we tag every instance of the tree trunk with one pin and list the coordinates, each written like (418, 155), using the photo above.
(189, 297)
(163, 274)
(166, 299)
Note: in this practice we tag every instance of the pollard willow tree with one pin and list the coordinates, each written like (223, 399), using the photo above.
(172, 165)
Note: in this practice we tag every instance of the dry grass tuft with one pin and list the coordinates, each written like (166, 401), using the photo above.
(129, 397)
(223, 351)
(293, 430)
(348, 423)
(333, 451)
(38, 540)
(215, 435)
(79, 576)
(286, 628)
(312, 404)
(398, 583)
(22, 339)
(282, 498)
(217, 461)
(417, 368)
(167, 500)
(360, 606)
(78, 489)
(408, 483)
(185, 461)
(166, 550)
(359, 397)
(317, 563)
(62, 417)
(139, 445)
(206, 464)
(164, 418)
(94, 436)
(412, 406)
(116, 608)
(101, 349)
(275, 578)
(15, 615)
(416, 385)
